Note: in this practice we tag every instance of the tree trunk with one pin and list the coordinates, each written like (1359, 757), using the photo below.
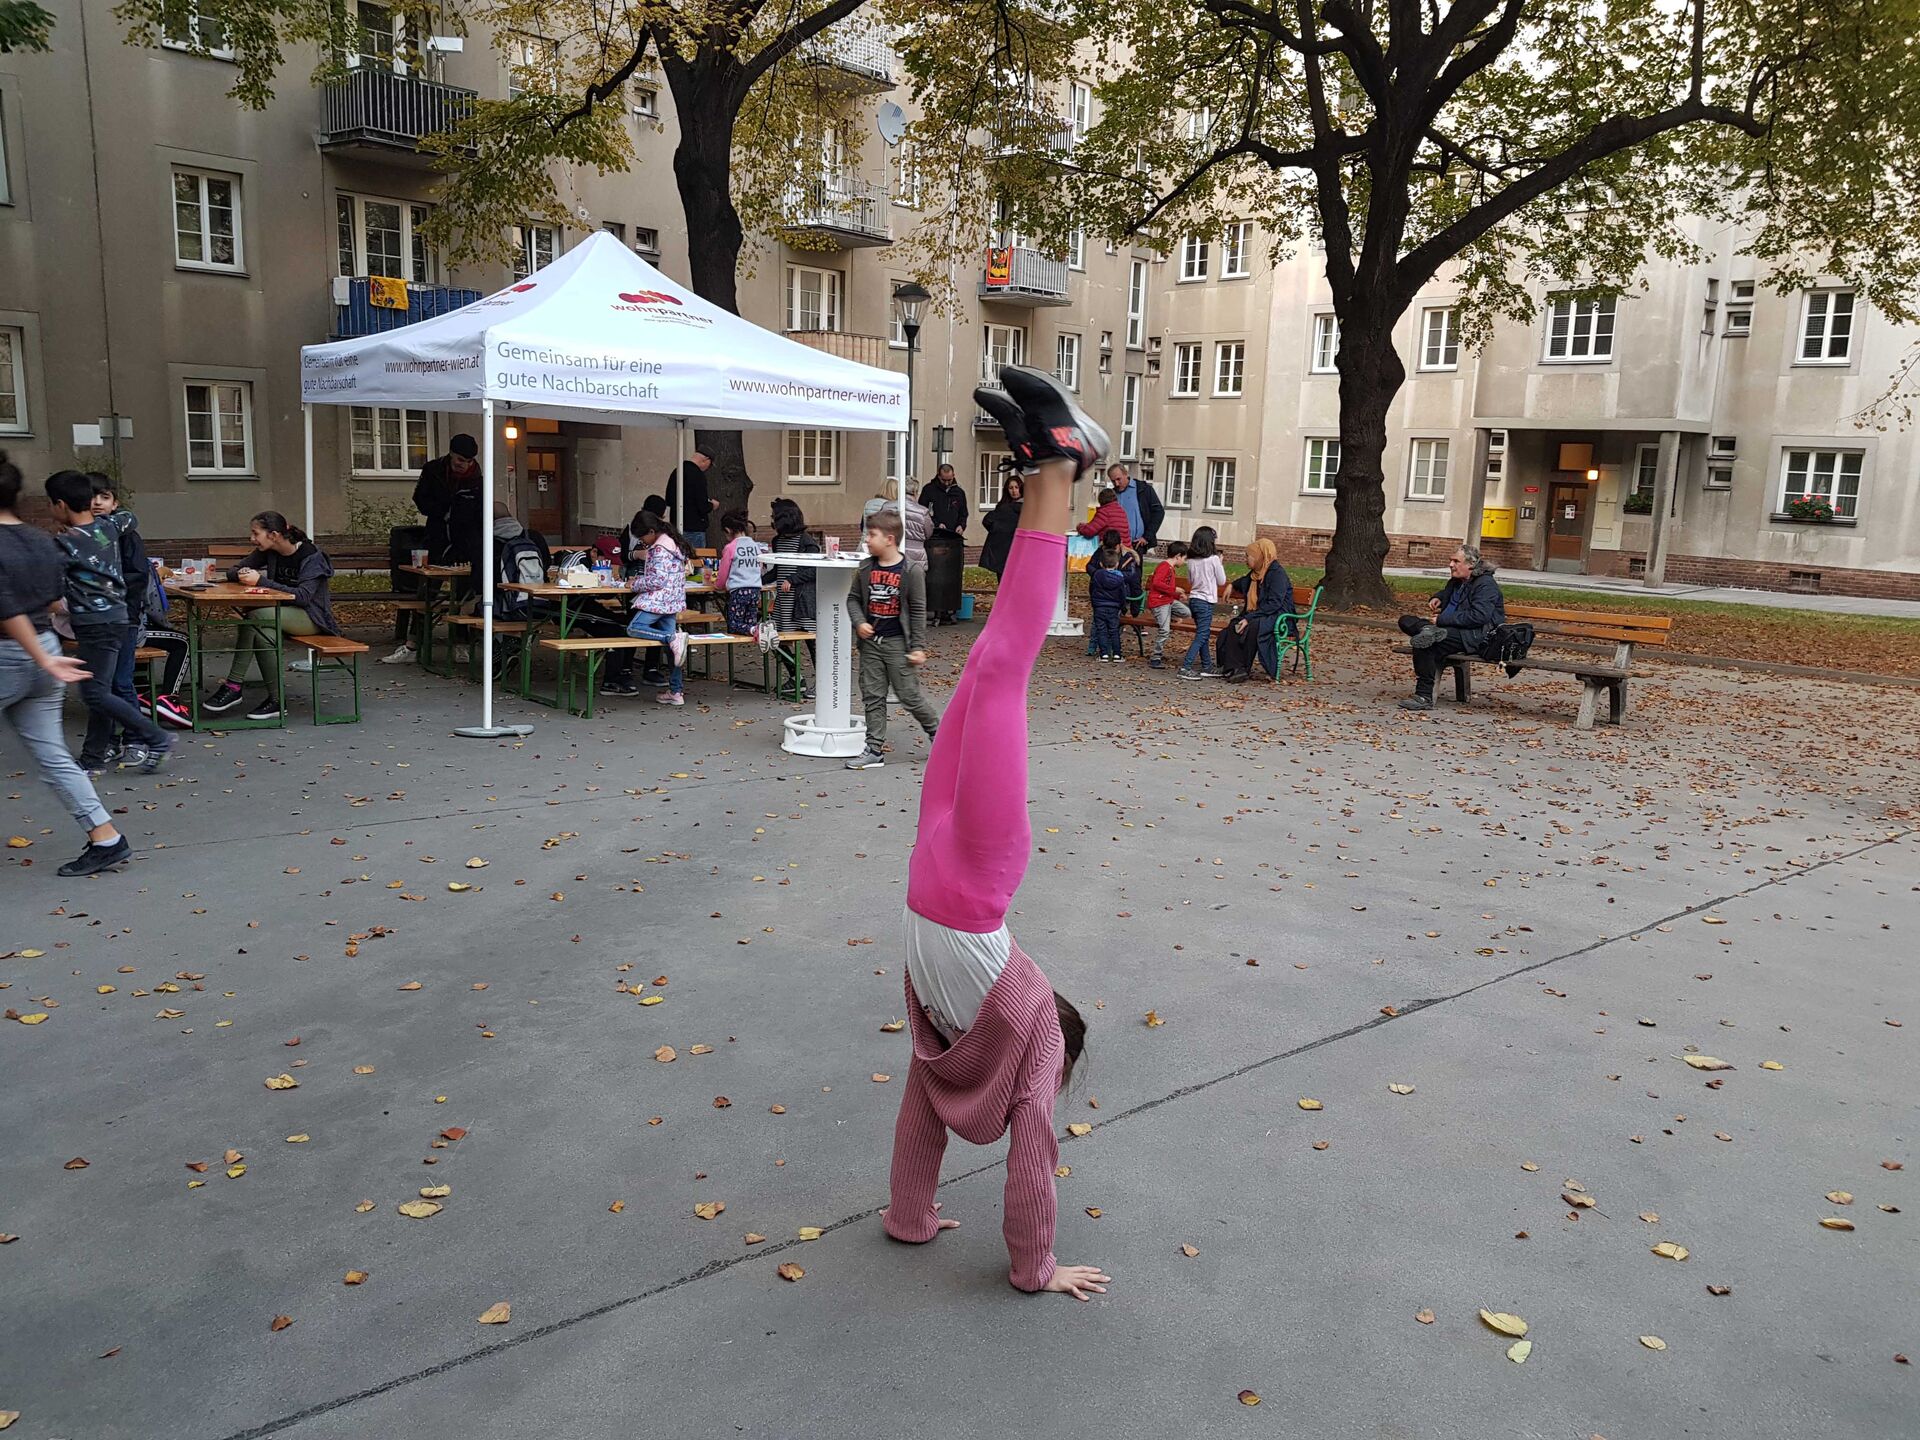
(1370, 376)
(702, 169)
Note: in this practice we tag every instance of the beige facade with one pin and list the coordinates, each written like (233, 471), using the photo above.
(164, 254)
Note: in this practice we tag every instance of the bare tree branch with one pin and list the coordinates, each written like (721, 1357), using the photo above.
(793, 37)
(1268, 22)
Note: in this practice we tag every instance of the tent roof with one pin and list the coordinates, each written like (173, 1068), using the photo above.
(601, 336)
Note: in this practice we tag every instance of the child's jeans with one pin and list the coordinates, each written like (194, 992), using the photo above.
(647, 625)
(1202, 613)
(1106, 631)
(1163, 617)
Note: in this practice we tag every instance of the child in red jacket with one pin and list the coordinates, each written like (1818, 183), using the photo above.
(1164, 603)
(1110, 516)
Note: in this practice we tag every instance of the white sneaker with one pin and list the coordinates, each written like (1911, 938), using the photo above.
(302, 665)
(679, 647)
(403, 656)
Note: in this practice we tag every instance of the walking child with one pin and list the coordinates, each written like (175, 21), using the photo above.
(993, 1042)
(1164, 602)
(1206, 578)
(888, 608)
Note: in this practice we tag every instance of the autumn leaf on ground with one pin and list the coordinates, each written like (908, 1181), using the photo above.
(1248, 1397)
(7, 1417)
(363, 1207)
(279, 1323)
(1667, 1250)
(1585, 1202)
(1519, 1351)
(354, 1277)
(1153, 1019)
(1653, 1342)
(1771, 1065)
(1311, 1105)
(363, 1069)
(709, 1209)
(1080, 1128)
(476, 863)
(298, 1139)
(666, 1055)
(453, 1132)
(1425, 1317)
(77, 1163)
(420, 1209)
(436, 1192)
(1837, 1222)
(498, 1314)
(880, 1079)
(755, 1239)
(1189, 1251)
(1503, 1322)
(1840, 1197)
(1706, 1062)
(1401, 1089)
(790, 1271)
(893, 1027)
(282, 1082)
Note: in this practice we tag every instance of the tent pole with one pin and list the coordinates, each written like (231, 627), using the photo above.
(307, 411)
(678, 504)
(486, 729)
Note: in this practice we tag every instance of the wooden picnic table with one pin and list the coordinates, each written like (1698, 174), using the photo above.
(227, 601)
(433, 598)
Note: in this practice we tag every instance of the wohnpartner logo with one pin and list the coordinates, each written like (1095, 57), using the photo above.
(798, 390)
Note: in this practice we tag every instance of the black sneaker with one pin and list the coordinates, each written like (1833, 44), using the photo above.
(1013, 424)
(867, 760)
(1417, 702)
(623, 687)
(95, 858)
(133, 756)
(155, 756)
(115, 750)
(1057, 428)
(222, 698)
(93, 765)
(268, 709)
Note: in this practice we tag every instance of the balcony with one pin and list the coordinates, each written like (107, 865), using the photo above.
(841, 210)
(853, 57)
(1031, 132)
(372, 109)
(355, 314)
(990, 380)
(1020, 276)
(866, 349)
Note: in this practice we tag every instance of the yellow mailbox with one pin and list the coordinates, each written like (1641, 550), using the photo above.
(1496, 522)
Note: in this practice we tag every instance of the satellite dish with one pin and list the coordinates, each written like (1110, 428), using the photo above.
(891, 121)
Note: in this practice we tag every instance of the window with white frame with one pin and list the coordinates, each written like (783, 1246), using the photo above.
(1826, 331)
(813, 457)
(1179, 482)
(381, 38)
(6, 185)
(196, 28)
(388, 440)
(1130, 417)
(813, 299)
(1186, 369)
(646, 101)
(1080, 109)
(1723, 447)
(1829, 475)
(1427, 478)
(1580, 327)
(1740, 308)
(1440, 338)
(1221, 476)
(1646, 471)
(1323, 463)
(646, 240)
(1001, 345)
(906, 175)
(206, 220)
(1230, 367)
(1326, 344)
(896, 321)
(13, 380)
(1193, 258)
(383, 237)
(219, 427)
(1496, 455)
(1236, 251)
(1077, 249)
(895, 466)
(534, 248)
(533, 65)
(1136, 304)
(1066, 360)
(989, 479)
(1719, 476)
(1200, 123)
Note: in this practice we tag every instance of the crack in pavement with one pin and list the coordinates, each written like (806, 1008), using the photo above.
(719, 1267)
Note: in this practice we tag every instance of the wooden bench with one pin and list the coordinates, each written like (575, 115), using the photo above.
(1306, 604)
(144, 659)
(1597, 675)
(593, 649)
(333, 652)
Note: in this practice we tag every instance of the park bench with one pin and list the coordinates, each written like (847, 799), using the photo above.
(337, 653)
(1306, 605)
(1598, 673)
(593, 650)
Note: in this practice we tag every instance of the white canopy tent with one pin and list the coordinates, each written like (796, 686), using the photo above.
(598, 336)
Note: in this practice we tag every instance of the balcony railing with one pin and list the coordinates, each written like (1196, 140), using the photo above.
(385, 111)
(355, 314)
(1020, 276)
(852, 56)
(840, 207)
(990, 380)
(867, 349)
(1032, 132)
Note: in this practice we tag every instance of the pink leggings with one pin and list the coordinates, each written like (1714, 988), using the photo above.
(974, 839)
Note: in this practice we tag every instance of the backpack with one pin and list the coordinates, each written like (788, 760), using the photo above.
(156, 612)
(519, 565)
(1508, 645)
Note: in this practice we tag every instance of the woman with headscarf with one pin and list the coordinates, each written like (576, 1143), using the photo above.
(1269, 595)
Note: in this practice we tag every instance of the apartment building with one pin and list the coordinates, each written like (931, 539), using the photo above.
(164, 254)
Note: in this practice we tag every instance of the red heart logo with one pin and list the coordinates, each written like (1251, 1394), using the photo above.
(519, 288)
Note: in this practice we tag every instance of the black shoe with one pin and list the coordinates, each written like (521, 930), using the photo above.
(1057, 428)
(222, 698)
(268, 709)
(1013, 425)
(114, 751)
(133, 756)
(1417, 702)
(155, 756)
(95, 858)
(622, 687)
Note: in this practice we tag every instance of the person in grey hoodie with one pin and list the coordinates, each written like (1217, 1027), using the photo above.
(283, 559)
(1460, 619)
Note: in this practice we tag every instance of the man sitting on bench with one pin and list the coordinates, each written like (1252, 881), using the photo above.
(1460, 619)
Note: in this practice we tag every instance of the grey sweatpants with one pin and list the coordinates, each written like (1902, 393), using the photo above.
(883, 662)
(30, 699)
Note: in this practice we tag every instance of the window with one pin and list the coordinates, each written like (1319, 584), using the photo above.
(1180, 482)
(906, 175)
(1826, 335)
(537, 244)
(1077, 249)
(383, 237)
(1200, 123)
(1829, 475)
(1711, 309)
(1440, 339)
(1230, 367)
(1136, 304)
(206, 220)
(646, 240)
(533, 65)
(193, 28)
(1193, 258)
(1220, 483)
(1723, 447)
(1130, 417)
(1236, 248)
(1428, 478)
(6, 186)
(1323, 463)
(390, 441)
(813, 299)
(1646, 471)
(1080, 109)
(616, 229)
(219, 427)
(1580, 328)
(379, 38)
(1326, 344)
(1719, 477)
(13, 380)
(1740, 308)
(1066, 360)
(1001, 345)
(990, 478)
(813, 457)
(894, 469)
(1186, 370)
(646, 101)
(1496, 455)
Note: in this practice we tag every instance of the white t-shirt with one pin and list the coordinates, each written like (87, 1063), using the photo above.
(1206, 578)
(952, 970)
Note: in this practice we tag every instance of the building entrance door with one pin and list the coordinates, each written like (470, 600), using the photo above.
(1567, 526)
(547, 497)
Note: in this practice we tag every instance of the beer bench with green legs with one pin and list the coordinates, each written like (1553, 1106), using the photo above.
(339, 655)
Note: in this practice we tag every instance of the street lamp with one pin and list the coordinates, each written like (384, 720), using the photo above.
(909, 296)
(512, 432)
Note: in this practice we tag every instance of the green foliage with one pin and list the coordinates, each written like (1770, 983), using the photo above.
(372, 513)
(24, 26)
(1639, 503)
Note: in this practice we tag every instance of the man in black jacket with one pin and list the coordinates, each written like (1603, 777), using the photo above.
(946, 501)
(1460, 619)
(695, 506)
(440, 480)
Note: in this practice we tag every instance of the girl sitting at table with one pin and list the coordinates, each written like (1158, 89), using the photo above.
(283, 559)
(659, 595)
(740, 573)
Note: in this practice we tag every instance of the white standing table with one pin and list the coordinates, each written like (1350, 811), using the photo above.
(1064, 622)
(833, 730)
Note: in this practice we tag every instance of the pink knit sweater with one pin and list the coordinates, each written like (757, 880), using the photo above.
(1000, 1077)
